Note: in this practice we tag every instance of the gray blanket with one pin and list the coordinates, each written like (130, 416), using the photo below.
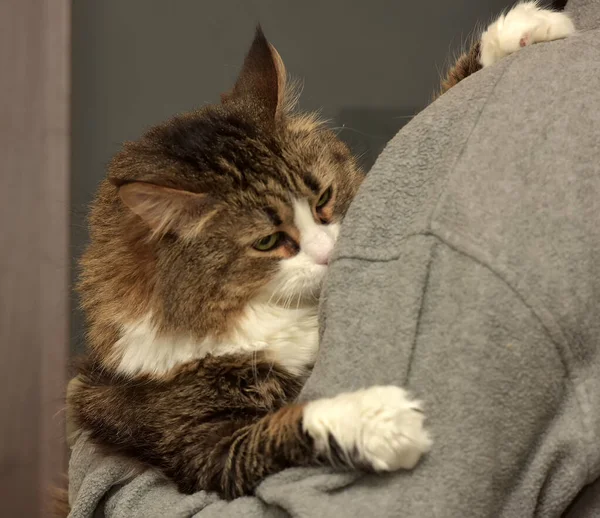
(468, 270)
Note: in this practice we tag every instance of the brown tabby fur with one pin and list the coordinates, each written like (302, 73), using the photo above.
(466, 64)
(219, 424)
(171, 234)
(59, 503)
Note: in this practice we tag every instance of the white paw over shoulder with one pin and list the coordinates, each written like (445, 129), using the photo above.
(523, 25)
(379, 427)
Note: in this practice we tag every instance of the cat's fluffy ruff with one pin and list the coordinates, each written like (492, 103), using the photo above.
(286, 335)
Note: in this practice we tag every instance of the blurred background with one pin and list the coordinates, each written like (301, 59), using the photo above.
(80, 77)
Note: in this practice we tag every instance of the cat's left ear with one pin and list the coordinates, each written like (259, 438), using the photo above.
(165, 209)
(262, 79)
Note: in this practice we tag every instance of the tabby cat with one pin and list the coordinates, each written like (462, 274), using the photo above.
(210, 239)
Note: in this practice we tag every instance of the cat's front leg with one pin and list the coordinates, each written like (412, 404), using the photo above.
(376, 429)
(223, 425)
(379, 429)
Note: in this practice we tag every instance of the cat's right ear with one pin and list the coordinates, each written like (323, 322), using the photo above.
(165, 209)
(262, 79)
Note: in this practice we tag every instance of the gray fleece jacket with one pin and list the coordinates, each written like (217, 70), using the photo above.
(468, 270)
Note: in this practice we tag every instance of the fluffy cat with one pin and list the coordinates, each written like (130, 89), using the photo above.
(210, 239)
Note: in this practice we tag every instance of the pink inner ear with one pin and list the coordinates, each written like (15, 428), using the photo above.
(163, 208)
(281, 76)
(136, 194)
(262, 78)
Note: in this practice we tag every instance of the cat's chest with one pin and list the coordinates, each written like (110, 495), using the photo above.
(296, 347)
(288, 337)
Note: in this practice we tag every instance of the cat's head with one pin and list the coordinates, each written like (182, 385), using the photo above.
(233, 203)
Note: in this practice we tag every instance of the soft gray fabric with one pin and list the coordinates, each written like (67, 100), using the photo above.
(469, 271)
(585, 13)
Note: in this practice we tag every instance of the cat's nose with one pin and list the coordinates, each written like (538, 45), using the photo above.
(322, 253)
(322, 260)
(319, 248)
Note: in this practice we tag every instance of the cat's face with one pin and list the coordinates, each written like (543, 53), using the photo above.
(214, 209)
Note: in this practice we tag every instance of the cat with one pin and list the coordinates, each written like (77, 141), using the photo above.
(210, 240)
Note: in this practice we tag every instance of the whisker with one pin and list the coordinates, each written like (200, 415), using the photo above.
(254, 369)
(275, 291)
(270, 369)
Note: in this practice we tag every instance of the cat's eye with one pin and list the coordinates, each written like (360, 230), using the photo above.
(324, 199)
(269, 242)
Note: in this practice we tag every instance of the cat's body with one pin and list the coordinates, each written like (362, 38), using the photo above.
(210, 240)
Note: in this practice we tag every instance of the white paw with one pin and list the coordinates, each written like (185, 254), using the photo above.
(523, 25)
(380, 428)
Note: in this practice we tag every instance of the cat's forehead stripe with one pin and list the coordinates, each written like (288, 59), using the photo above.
(273, 216)
(311, 182)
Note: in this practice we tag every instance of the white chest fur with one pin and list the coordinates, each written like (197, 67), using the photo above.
(288, 337)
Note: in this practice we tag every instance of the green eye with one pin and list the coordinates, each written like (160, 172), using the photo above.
(325, 197)
(268, 243)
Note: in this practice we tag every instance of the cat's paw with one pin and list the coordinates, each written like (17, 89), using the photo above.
(523, 25)
(379, 428)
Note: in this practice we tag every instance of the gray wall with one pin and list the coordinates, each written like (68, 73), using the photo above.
(369, 65)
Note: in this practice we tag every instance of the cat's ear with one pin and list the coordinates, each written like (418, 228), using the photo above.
(165, 209)
(263, 77)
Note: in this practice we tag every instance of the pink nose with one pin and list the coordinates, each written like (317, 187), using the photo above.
(322, 260)
(319, 248)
